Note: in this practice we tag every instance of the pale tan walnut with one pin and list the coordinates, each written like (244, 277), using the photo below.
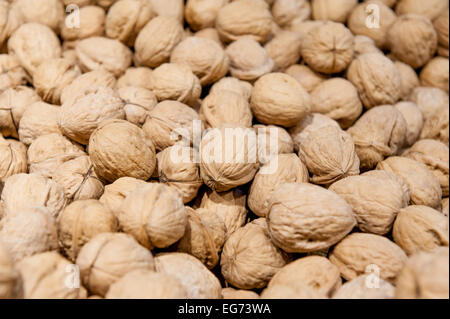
(424, 186)
(80, 116)
(289, 12)
(244, 17)
(277, 98)
(378, 133)
(375, 200)
(89, 82)
(424, 276)
(146, 284)
(92, 23)
(284, 49)
(329, 154)
(10, 282)
(173, 81)
(436, 126)
(139, 102)
(304, 75)
(118, 148)
(364, 44)
(434, 155)
(177, 168)
(35, 191)
(429, 100)
(48, 152)
(366, 287)
(376, 78)
(28, 231)
(420, 228)
(169, 8)
(209, 33)
(78, 178)
(441, 25)
(309, 124)
(100, 52)
(116, 192)
(107, 257)
(170, 121)
(430, 9)
(305, 218)
(408, 79)
(363, 13)
(299, 291)
(70, 55)
(51, 76)
(328, 48)
(436, 73)
(229, 206)
(207, 60)
(156, 41)
(225, 107)
(201, 14)
(45, 276)
(13, 158)
(249, 258)
(283, 168)
(445, 206)
(248, 59)
(338, 99)
(228, 157)
(272, 140)
(302, 28)
(359, 253)
(234, 85)
(10, 20)
(204, 236)
(11, 73)
(196, 279)
(413, 40)
(46, 12)
(136, 77)
(126, 18)
(337, 11)
(38, 119)
(32, 43)
(82, 220)
(231, 293)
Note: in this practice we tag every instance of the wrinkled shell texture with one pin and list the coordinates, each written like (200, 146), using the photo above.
(139, 102)
(9, 276)
(358, 288)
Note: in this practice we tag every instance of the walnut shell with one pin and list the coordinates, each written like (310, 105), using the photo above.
(10, 283)
(375, 200)
(316, 272)
(290, 12)
(209, 66)
(136, 77)
(304, 75)
(173, 81)
(441, 25)
(170, 8)
(196, 279)
(366, 287)
(48, 275)
(445, 206)
(284, 49)
(408, 79)
(425, 276)
(413, 40)
(107, 257)
(359, 252)
(376, 79)
(138, 103)
(46, 12)
(300, 291)
(35, 191)
(92, 23)
(231, 293)
(28, 231)
(178, 169)
(112, 161)
(363, 13)
(13, 158)
(11, 19)
(436, 73)
(225, 107)
(201, 14)
(209, 33)
(279, 99)
(156, 286)
(248, 59)
(223, 166)
(430, 9)
(78, 178)
(244, 17)
(170, 121)
(232, 84)
(156, 41)
(337, 11)
(11, 73)
(249, 258)
(337, 98)
(272, 140)
(364, 44)
(328, 48)
(424, 186)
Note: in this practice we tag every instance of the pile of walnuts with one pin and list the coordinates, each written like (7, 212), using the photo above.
(335, 184)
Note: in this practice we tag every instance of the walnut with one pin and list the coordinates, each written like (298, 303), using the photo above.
(284, 49)
(46, 12)
(249, 258)
(272, 140)
(92, 23)
(10, 282)
(231, 293)
(232, 84)
(169, 8)
(424, 186)
(290, 12)
(209, 33)
(11, 19)
(113, 160)
(436, 73)
(304, 75)
(201, 14)
(138, 103)
(136, 77)
(441, 26)
(337, 11)
(328, 48)
(408, 79)
(430, 9)
(364, 44)
(299, 291)
(12, 74)
(366, 287)
(13, 158)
